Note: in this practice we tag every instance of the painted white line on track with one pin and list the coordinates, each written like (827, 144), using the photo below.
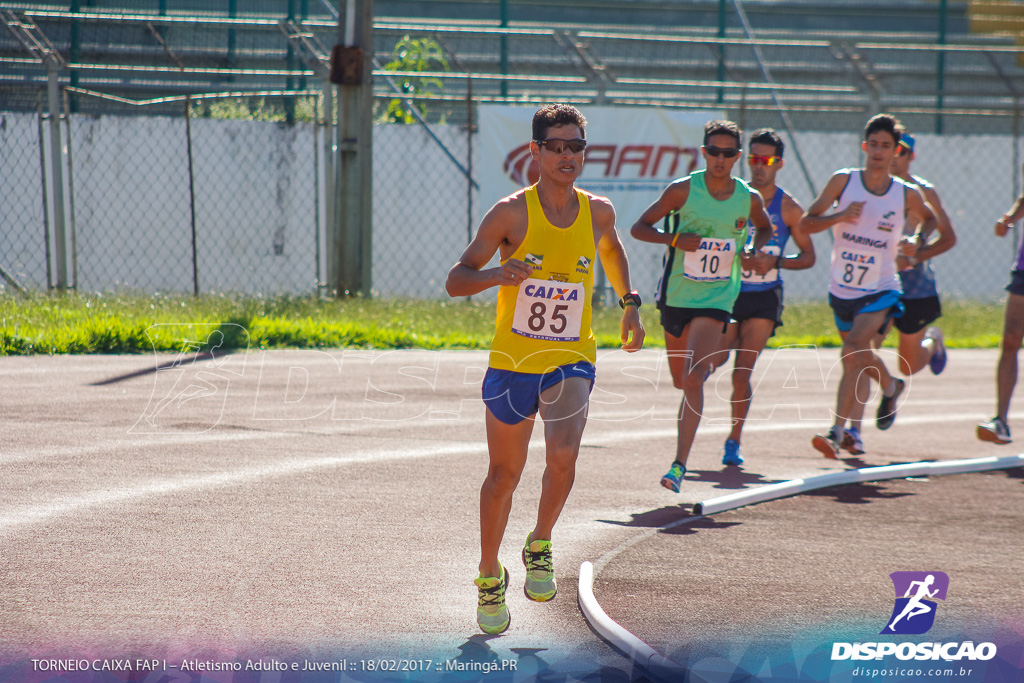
(214, 435)
(21, 516)
(137, 444)
(12, 519)
(713, 425)
(663, 667)
(721, 426)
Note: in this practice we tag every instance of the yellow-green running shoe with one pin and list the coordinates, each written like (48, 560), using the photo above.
(491, 612)
(540, 572)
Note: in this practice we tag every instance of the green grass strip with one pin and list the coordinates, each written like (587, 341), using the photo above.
(131, 323)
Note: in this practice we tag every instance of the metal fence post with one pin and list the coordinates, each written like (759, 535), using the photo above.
(192, 195)
(470, 129)
(330, 187)
(940, 67)
(46, 208)
(316, 193)
(354, 218)
(56, 172)
(71, 193)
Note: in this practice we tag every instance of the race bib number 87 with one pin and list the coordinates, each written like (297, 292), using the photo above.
(858, 269)
(549, 310)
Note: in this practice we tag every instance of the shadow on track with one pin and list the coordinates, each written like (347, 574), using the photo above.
(729, 478)
(857, 494)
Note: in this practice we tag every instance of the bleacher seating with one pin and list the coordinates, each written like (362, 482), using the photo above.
(827, 57)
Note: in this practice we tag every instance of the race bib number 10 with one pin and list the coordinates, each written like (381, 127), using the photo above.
(549, 310)
(712, 262)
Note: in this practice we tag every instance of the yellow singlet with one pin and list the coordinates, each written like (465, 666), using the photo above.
(545, 322)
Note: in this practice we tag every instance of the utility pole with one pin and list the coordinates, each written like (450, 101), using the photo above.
(350, 261)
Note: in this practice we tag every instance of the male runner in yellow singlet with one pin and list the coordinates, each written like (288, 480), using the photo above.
(543, 351)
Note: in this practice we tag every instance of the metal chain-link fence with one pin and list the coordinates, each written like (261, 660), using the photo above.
(420, 207)
(158, 204)
(24, 230)
(115, 180)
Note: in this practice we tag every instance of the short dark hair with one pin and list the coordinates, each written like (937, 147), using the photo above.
(884, 122)
(722, 127)
(551, 115)
(767, 136)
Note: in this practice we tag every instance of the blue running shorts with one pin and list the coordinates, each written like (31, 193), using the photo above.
(514, 396)
(845, 310)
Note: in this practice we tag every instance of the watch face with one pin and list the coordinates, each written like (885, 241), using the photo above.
(632, 297)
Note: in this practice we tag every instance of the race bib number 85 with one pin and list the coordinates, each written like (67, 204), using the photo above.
(549, 310)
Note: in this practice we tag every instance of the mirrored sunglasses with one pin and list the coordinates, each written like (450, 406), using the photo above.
(755, 159)
(558, 146)
(727, 152)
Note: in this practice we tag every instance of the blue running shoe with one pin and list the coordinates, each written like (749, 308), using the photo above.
(673, 477)
(937, 362)
(731, 454)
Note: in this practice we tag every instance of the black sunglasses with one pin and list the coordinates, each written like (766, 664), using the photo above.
(575, 146)
(727, 152)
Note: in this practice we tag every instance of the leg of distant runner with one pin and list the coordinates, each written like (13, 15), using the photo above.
(1013, 334)
(704, 339)
(753, 336)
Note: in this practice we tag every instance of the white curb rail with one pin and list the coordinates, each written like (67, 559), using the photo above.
(795, 486)
(621, 639)
(663, 667)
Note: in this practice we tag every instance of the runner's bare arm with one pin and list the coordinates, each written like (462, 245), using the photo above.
(616, 267)
(1015, 213)
(503, 223)
(814, 219)
(755, 259)
(791, 214)
(918, 207)
(672, 199)
(762, 223)
(947, 236)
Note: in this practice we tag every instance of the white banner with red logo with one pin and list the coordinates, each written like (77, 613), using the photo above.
(632, 155)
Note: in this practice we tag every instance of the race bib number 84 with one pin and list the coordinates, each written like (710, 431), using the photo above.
(771, 276)
(549, 310)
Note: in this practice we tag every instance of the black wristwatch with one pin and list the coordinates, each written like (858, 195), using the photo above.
(631, 299)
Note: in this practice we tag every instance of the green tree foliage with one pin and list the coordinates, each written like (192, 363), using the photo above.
(254, 108)
(420, 55)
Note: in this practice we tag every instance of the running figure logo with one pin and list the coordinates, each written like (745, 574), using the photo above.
(914, 612)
